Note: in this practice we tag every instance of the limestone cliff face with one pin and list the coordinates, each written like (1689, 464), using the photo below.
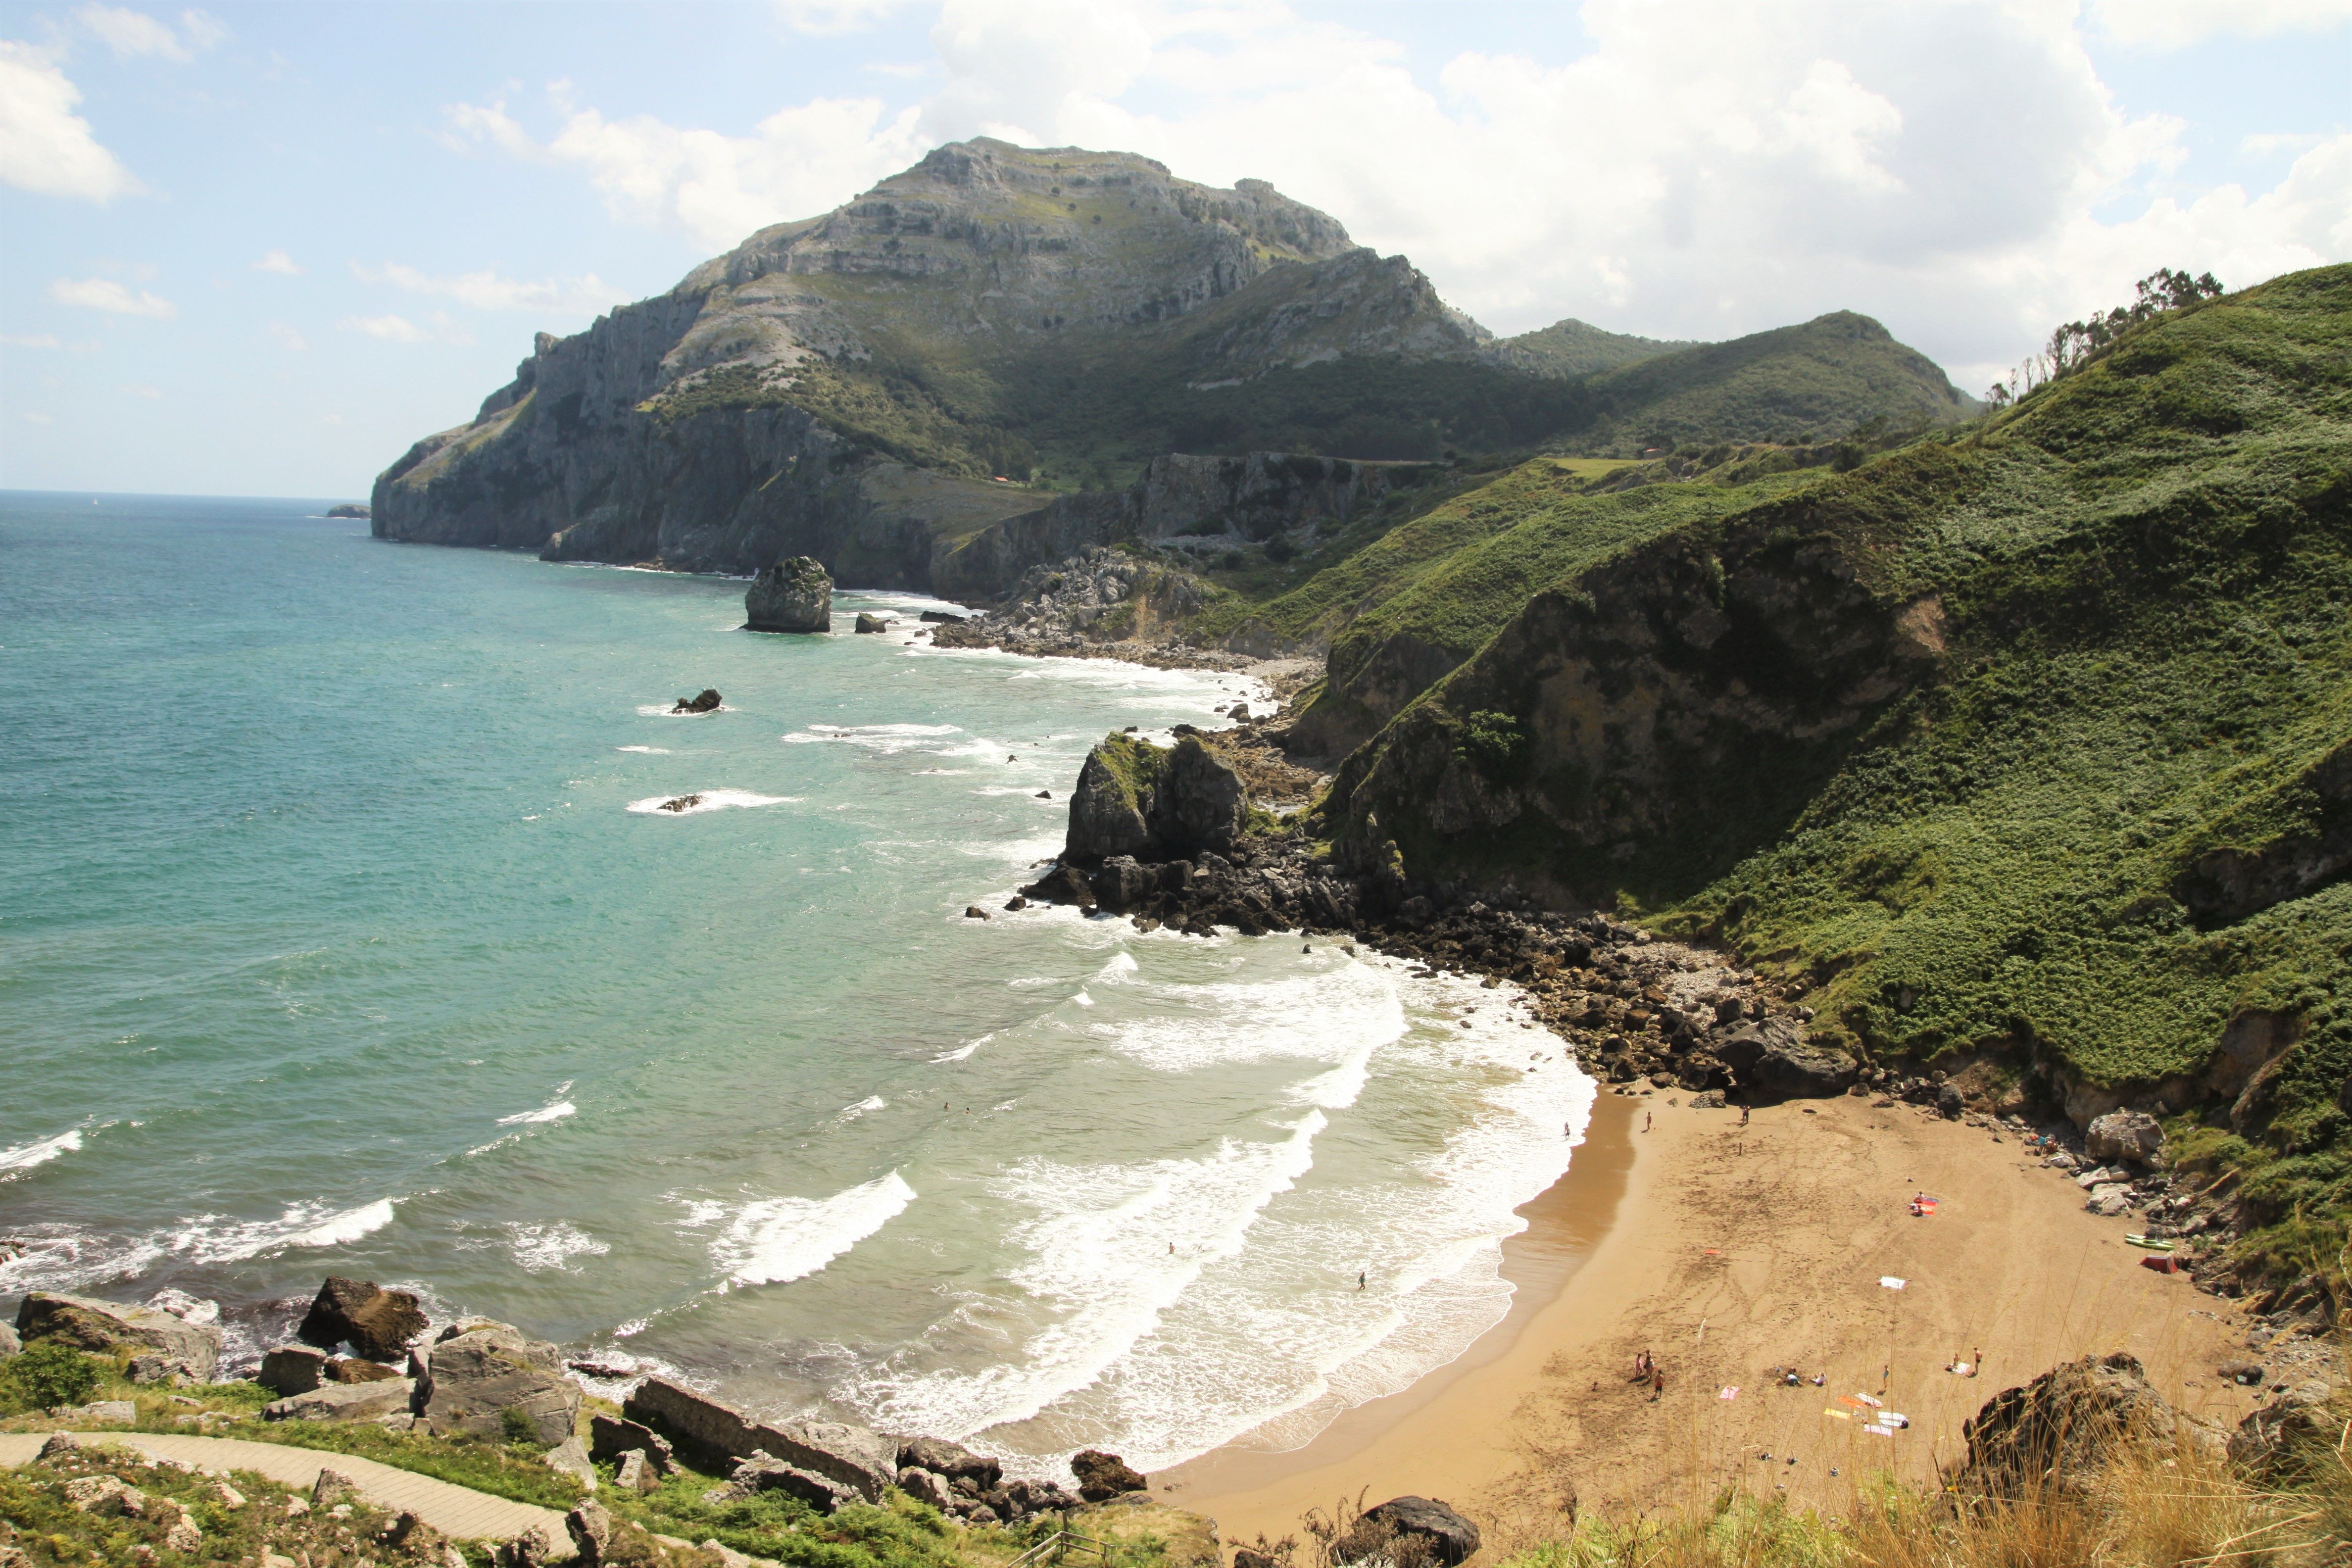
(1246, 499)
(1649, 721)
(684, 430)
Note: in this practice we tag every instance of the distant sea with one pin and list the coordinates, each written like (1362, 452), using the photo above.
(339, 933)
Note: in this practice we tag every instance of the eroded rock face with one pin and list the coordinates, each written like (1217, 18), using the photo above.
(1774, 1058)
(375, 1323)
(293, 1369)
(2284, 1438)
(476, 1377)
(793, 596)
(345, 1402)
(88, 1324)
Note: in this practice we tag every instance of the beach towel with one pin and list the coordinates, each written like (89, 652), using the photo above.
(1730, 1391)
(1851, 1401)
(1841, 1414)
(1877, 1431)
(1891, 1282)
(2162, 1262)
(1866, 1399)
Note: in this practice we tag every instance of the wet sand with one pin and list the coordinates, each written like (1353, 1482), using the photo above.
(1726, 1251)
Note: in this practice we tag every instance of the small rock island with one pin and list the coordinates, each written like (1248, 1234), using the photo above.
(793, 595)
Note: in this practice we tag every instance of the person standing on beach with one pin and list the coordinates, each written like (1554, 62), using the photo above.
(1645, 1120)
(1657, 1383)
(1359, 1278)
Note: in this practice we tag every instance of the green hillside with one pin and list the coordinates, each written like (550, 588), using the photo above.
(1799, 384)
(1572, 348)
(2031, 739)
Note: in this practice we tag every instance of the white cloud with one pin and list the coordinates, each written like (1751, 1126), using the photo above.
(718, 188)
(45, 146)
(397, 328)
(1703, 170)
(826, 17)
(280, 262)
(2176, 24)
(486, 290)
(106, 294)
(33, 341)
(131, 33)
(33, 416)
(138, 390)
(286, 338)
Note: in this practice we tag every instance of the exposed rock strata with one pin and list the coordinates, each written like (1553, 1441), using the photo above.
(375, 1323)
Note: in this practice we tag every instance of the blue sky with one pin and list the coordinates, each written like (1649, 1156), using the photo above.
(260, 249)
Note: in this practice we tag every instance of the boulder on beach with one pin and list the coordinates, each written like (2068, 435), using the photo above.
(706, 701)
(86, 1323)
(375, 1323)
(793, 595)
(2132, 1135)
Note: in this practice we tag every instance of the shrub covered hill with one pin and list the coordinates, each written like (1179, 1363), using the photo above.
(855, 386)
(2029, 740)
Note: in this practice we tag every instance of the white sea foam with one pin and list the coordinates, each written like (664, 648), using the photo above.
(961, 1052)
(214, 1239)
(15, 1162)
(647, 751)
(658, 710)
(771, 1241)
(540, 1247)
(886, 739)
(871, 1102)
(707, 800)
(1111, 1248)
(555, 1109)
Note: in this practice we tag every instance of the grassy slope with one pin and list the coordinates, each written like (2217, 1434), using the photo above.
(2148, 569)
(1571, 347)
(1793, 384)
(1095, 406)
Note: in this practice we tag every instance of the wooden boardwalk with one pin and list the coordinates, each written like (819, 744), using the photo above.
(454, 1510)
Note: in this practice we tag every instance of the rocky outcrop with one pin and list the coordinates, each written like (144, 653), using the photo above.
(1153, 803)
(347, 1402)
(1441, 1534)
(2060, 1429)
(1202, 503)
(869, 623)
(377, 1323)
(792, 595)
(706, 701)
(1102, 1477)
(1775, 1059)
(2231, 882)
(293, 1369)
(611, 1436)
(1652, 719)
(86, 1323)
(476, 1377)
(714, 1431)
(2285, 1439)
(349, 508)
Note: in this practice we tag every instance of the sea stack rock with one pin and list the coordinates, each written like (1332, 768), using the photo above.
(793, 596)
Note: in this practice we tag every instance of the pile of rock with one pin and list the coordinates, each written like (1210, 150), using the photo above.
(1100, 601)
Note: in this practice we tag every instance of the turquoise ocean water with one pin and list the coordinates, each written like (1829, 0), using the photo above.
(337, 935)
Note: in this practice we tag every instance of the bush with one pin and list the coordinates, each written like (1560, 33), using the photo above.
(49, 1374)
(1494, 742)
(1230, 560)
(1282, 552)
(514, 1421)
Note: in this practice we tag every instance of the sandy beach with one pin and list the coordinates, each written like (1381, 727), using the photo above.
(1728, 1252)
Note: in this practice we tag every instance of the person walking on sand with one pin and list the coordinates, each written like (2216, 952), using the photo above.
(1360, 1275)
(1645, 1120)
(1743, 1115)
(1657, 1384)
